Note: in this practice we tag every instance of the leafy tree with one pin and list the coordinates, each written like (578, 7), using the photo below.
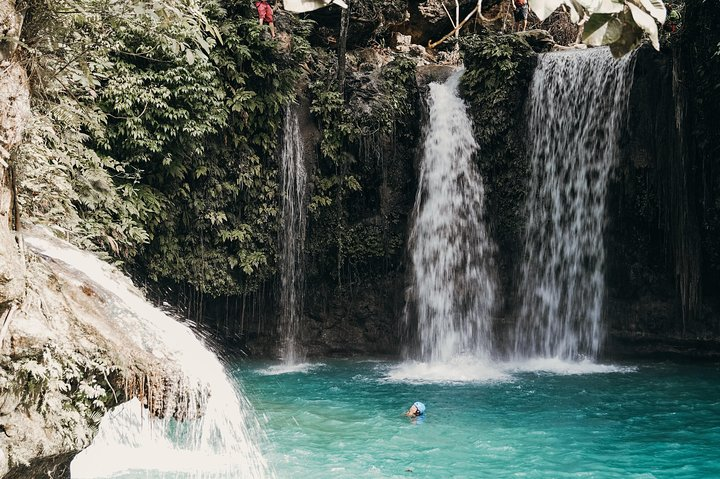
(155, 128)
(621, 24)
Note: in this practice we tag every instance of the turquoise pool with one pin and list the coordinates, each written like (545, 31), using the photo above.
(343, 419)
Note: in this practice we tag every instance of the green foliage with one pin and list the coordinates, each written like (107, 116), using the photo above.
(347, 232)
(495, 84)
(63, 180)
(156, 124)
(498, 68)
(70, 388)
(620, 24)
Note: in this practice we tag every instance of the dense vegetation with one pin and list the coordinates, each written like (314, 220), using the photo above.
(156, 129)
(499, 68)
(359, 161)
(154, 132)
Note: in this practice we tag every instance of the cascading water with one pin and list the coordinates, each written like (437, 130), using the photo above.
(293, 239)
(219, 439)
(454, 287)
(575, 111)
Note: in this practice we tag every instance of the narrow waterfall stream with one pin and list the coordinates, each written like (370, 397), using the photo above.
(454, 286)
(576, 107)
(292, 241)
(220, 443)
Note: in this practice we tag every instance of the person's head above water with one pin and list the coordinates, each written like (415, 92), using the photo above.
(417, 409)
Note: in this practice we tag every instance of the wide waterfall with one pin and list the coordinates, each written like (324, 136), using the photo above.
(221, 436)
(454, 287)
(292, 239)
(575, 114)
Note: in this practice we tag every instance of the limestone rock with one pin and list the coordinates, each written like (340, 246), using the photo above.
(70, 330)
(433, 73)
(539, 40)
(398, 39)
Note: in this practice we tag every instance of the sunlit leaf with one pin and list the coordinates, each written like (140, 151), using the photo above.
(609, 6)
(543, 8)
(602, 29)
(646, 23)
(656, 9)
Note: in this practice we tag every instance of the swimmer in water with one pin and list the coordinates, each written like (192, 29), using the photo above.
(417, 409)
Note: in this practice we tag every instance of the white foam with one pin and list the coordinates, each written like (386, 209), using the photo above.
(471, 370)
(129, 439)
(222, 442)
(463, 369)
(564, 367)
(283, 368)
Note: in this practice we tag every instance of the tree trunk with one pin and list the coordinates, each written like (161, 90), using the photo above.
(14, 113)
(342, 46)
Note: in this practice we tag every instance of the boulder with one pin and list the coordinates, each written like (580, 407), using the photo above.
(433, 73)
(539, 40)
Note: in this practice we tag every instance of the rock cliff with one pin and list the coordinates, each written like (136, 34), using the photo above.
(64, 356)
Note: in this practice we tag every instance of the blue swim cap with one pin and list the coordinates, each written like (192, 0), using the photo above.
(420, 407)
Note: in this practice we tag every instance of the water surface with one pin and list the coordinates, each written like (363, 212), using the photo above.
(343, 419)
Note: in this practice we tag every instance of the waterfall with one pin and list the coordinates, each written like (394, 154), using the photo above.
(292, 239)
(454, 288)
(575, 111)
(219, 439)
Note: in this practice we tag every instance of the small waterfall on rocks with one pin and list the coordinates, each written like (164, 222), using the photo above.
(220, 437)
(453, 290)
(575, 111)
(292, 239)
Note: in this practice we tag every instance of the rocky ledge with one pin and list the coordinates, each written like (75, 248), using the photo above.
(71, 350)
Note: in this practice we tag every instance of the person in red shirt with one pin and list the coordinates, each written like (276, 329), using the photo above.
(520, 14)
(265, 13)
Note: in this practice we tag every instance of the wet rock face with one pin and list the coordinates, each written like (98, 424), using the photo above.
(358, 320)
(433, 73)
(56, 467)
(660, 243)
(640, 290)
(653, 183)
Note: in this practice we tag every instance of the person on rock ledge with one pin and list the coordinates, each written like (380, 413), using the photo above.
(520, 13)
(265, 13)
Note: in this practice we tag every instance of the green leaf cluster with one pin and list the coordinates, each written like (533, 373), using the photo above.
(155, 133)
(498, 69)
(620, 24)
(351, 229)
(70, 388)
(495, 83)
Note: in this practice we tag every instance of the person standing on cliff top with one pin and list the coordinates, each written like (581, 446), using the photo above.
(520, 13)
(265, 13)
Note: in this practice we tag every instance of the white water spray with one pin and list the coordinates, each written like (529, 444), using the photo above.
(454, 286)
(292, 241)
(576, 107)
(219, 442)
